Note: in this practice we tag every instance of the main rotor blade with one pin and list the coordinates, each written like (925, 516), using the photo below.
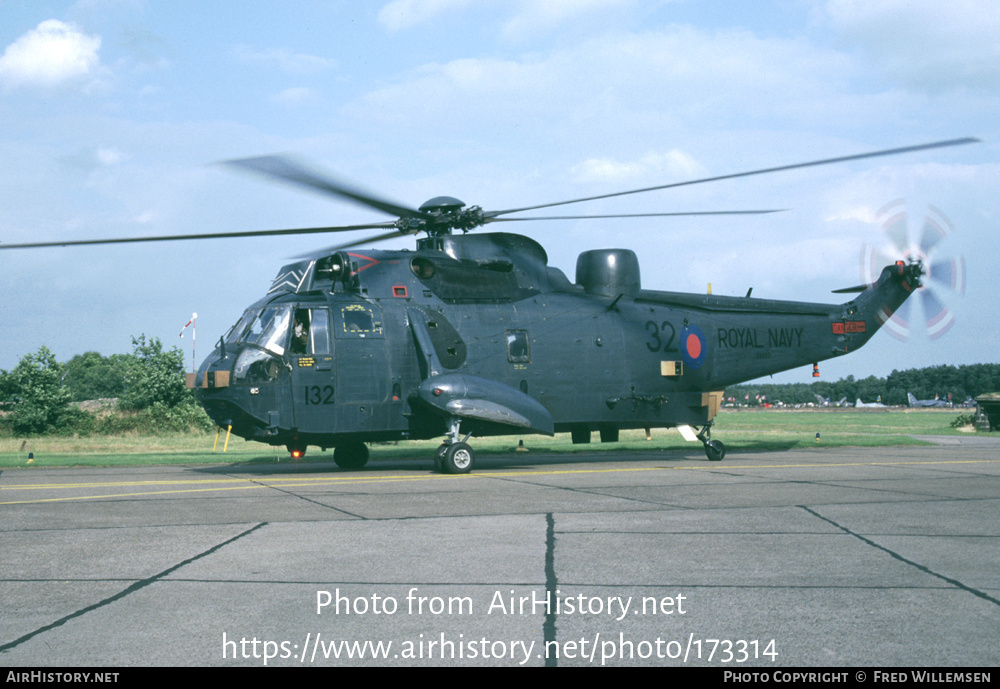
(633, 215)
(285, 169)
(735, 175)
(213, 235)
(364, 240)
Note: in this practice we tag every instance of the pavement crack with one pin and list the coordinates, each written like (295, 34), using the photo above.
(551, 587)
(309, 500)
(600, 492)
(136, 586)
(923, 568)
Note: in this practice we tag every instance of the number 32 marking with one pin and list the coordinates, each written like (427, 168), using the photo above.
(657, 333)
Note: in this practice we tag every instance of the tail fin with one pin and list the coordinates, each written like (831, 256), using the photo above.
(877, 303)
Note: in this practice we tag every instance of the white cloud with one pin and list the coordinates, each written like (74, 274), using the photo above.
(634, 83)
(291, 96)
(864, 214)
(536, 17)
(284, 59)
(402, 14)
(51, 54)
(110, 156)
(673, 164)
(926, 44)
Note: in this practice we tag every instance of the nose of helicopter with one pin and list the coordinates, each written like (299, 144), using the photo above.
(230, 406)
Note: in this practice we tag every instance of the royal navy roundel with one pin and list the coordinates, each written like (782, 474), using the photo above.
(693, 346)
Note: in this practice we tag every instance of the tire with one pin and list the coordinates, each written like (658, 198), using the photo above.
(439, 458)
(351, 456)
(715, 450)
(458, 459)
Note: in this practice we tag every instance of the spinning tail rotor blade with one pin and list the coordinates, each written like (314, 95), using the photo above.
(944, 281)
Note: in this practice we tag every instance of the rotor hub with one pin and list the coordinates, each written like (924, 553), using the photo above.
(442, 204)
(441, 215)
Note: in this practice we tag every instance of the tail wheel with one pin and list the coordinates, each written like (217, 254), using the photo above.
(715, 450)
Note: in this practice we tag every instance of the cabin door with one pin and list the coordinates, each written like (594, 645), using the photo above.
(361, 362)
(311, 356)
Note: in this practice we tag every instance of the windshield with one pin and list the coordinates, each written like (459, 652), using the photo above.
(236, 333)
(265, 328)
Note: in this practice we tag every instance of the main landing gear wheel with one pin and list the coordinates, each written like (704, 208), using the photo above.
(715, 450)
(457, 458)
(351, 456)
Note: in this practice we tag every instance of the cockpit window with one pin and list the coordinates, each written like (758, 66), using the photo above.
(311, 332)
(237, 332)
(267, 328)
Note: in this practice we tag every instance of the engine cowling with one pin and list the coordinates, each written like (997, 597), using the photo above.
(609, 272)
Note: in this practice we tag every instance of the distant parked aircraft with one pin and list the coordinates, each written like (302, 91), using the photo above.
(936, 402)
(870, 405)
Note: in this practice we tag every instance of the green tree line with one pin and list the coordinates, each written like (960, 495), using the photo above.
(958, 382)
(36, 396)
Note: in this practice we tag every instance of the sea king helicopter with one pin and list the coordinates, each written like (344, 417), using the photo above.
(476, 335)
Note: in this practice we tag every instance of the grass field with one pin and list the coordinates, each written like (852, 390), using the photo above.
(749, 430)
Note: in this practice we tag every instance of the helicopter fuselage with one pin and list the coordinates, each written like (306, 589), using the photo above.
(478, 333)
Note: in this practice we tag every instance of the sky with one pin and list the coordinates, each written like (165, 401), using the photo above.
(114, 115)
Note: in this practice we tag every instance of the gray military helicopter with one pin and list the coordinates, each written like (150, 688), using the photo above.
(476, 335)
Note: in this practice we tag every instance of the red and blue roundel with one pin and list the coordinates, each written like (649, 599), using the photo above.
(693, 346)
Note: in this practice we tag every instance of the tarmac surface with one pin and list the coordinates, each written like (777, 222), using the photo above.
(881, 557)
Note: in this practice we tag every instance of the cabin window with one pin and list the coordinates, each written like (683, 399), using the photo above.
(517, 347)
(358, 320)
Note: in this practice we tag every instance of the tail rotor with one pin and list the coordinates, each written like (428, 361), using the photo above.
(944, 275)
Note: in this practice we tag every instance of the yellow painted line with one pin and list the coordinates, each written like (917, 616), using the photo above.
(42, 486)
(291, 482)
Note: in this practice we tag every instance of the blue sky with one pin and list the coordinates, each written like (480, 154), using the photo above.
(114, 113)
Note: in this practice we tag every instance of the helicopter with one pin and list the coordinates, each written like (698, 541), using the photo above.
(476, 335)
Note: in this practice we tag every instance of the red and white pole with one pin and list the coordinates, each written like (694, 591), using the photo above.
(194, 329)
